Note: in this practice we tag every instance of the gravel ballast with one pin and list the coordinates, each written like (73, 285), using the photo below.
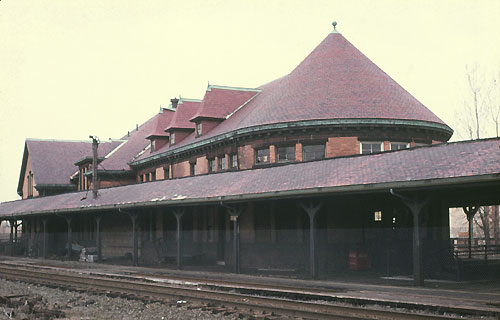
(39, 302)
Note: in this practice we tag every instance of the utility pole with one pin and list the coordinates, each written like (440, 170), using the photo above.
(95, 144)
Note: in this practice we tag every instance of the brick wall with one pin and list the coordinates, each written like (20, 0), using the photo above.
(342, 146)
(181, 169)
(246, 157)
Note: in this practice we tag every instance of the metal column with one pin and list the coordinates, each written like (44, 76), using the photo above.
(70, 238)
(178, 216)
(11, 237)
(45, 238)
(470, 212)
(416, 205)
(98, 237)
(312, 209)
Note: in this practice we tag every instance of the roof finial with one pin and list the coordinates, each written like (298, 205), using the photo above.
(334, 24)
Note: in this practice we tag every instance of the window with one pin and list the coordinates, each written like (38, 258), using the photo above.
(233, 161)
(285, 153)
(192, 168)
(166, 172)
(146, 177)
(371, 147)
(153, 176)
(377, 215)
(313, 152)
(172, 138)
(222, 163)
(198, 129)
(211, 165)
(152, 145)
(262, 155)
(399, 145)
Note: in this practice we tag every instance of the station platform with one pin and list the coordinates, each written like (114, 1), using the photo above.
(351, 287)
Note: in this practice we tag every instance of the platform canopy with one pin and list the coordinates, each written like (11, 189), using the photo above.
(468, 170)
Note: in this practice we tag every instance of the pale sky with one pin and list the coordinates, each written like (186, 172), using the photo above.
(74, 68)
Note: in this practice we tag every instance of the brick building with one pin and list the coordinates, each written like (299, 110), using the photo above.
(269, 171)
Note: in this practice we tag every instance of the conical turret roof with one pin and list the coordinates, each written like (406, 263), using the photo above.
(335, 81)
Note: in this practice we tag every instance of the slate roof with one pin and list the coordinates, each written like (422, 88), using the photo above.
(335, 81)
(53, 160)
(433, 165)
(135, 143)
(186, 109)
(162, 122)
(219, 101)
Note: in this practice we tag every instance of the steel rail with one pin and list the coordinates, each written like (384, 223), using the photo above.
(244, 301)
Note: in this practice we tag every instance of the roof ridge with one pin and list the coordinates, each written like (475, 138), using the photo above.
(214, 86)
(181, 100)
(57, 140)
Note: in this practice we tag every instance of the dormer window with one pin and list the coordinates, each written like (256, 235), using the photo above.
(198, 129)
(172, 138)
(153, 146)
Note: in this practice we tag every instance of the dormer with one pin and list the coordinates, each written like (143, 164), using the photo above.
(159, 138)
(218, 104)
(180, 126)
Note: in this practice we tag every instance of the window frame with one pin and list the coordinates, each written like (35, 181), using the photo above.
(221, 162)
(257, 155)
(172, 138)
(211, 165)
(192, 168)
(232, 163)
(199, 129)
(399, 143)
(381, 143)
(304, 146)
(276, 153)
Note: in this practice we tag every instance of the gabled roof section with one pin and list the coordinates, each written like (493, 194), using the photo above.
(443, 165)
(186, 109)
(162, 122)
(53, 161)
(134, 143)
(335, 81)
(220, 101)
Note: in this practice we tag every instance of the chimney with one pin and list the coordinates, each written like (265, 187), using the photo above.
(174, 102)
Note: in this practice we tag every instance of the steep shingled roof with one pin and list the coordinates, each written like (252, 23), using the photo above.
(53, 161)
(335, 81)
(220, 101)
(162, 122)
(186, 109)
(135, 143)
(436, 165)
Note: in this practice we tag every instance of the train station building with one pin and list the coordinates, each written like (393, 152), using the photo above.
(332, 167)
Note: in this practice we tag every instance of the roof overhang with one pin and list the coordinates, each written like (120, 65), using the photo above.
(327, 123)
(484, 181)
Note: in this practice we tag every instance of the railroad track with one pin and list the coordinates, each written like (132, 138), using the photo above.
(245, 301)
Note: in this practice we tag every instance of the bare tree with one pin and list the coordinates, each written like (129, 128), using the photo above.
(479, 115)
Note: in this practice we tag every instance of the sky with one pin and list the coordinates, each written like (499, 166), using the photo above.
(74, 68)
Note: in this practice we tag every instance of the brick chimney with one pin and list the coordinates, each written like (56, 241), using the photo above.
(174, 102)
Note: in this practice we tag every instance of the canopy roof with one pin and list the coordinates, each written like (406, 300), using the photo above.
(421, 167)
